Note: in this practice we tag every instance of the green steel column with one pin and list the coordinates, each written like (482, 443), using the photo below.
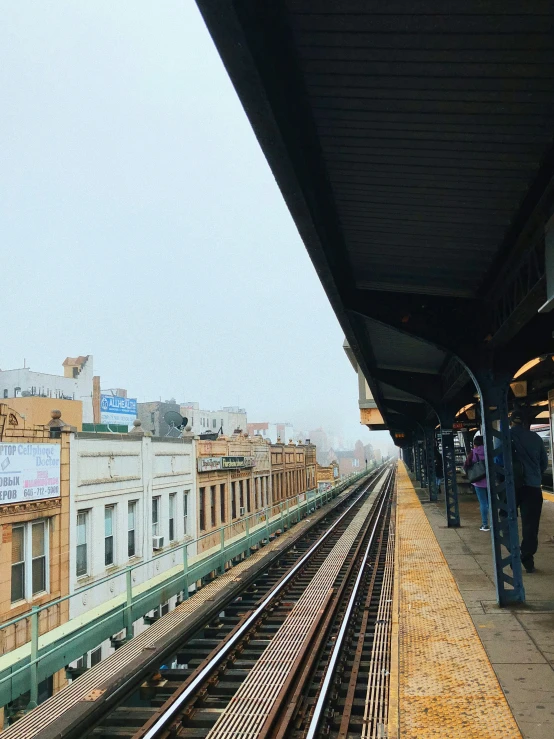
(129, 606)
(33, 702)
(185, 573)
(222, 562)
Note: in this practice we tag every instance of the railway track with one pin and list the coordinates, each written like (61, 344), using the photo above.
(272, 662)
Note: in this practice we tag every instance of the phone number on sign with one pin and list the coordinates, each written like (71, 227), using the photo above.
(46, 490)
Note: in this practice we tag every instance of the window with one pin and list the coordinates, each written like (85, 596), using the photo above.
(214, 423)
(202, 510)
(233, 501)
(131, 528)
(29, 560)
(38, 566)
(96, 656)
(18, 563)
(109, 515)
(185, 511)
(248, 496)
(5, 393)
(156, 516)
(241, 494)
(172, 497)
(222, 502)
(82, 536)
(152, 418)
(212, 504)
(165, 608)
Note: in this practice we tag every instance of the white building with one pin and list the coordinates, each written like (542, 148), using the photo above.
(75, 384)
(133, 497)
(275, 432)
(228, 418)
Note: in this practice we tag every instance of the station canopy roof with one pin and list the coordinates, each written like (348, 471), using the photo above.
(412, 142)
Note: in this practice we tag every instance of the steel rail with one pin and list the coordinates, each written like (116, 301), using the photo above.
(163, 720)
(287, 703)
(320, 704)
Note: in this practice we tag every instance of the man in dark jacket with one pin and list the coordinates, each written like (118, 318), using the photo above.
(528, 449)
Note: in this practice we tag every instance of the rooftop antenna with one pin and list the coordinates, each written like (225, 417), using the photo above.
(176, 423)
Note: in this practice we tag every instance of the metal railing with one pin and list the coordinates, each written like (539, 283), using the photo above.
(26, 673)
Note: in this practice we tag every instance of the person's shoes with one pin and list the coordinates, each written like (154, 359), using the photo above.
(529, 569)
(485, 528)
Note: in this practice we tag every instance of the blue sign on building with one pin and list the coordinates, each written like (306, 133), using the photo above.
(117, 411)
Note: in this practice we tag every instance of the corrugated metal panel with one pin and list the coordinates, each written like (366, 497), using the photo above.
(433, 118)
(394, 350)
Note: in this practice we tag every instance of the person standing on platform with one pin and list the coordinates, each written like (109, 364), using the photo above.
(439, 467)
(529, 462)
(477, 456)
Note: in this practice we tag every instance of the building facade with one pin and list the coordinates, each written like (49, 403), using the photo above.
(274, 432)
(233, 482)
(225, 420)
(75, 384)
(152, 417)
(327, 476)
(34, 518)
(293, 470)
(37, 411)
(133, 498)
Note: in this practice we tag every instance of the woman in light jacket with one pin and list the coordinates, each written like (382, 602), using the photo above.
(481, 489)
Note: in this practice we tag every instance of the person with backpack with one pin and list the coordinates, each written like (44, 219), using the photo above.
(529, 462)
(477, 475)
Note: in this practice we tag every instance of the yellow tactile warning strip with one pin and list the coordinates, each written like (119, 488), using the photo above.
(548, 496)
(446, 685)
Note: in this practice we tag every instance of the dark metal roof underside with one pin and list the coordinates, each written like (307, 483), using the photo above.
(412, 141)
(432, 126)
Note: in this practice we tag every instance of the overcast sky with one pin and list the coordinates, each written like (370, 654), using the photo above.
(140, 221)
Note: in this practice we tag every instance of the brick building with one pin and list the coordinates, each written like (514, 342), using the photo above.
(233, 481)
(293, 470)
(34, 518)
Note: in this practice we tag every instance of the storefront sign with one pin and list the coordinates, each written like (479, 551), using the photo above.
(211, 464)
(29, 472)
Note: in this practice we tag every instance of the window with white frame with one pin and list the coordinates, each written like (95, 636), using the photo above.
(82, 543)
(29, 560)
(185, 511)
(172, 498)
(109, 536)
(156, 516)
(131, 528)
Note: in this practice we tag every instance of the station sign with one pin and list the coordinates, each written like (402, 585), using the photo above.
(29, 472)
(213, 464)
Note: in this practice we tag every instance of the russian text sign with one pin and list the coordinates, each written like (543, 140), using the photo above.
(29, 472)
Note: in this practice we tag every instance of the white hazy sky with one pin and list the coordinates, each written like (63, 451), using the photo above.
(140, 221)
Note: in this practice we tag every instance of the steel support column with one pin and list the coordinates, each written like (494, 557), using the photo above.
(450, 483)
(502, 498)
(429, 432)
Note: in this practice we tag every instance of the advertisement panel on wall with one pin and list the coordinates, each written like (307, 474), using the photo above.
(29, 472)
(117, 411)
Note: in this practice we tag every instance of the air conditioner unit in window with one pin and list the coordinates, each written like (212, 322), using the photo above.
(242, 511)
(157, 542)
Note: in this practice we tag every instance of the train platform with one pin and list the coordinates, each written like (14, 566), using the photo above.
(467, 666)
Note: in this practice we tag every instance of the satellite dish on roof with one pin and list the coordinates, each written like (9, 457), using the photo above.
(176, 423)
